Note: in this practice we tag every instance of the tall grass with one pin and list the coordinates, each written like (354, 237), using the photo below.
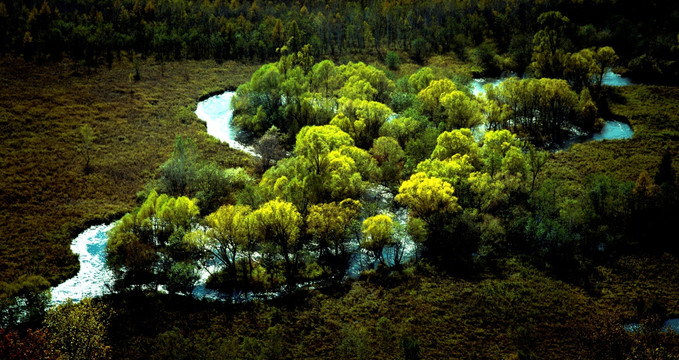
(46, 195)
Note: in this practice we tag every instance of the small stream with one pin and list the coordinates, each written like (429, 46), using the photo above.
(93, 278)
(217, 113)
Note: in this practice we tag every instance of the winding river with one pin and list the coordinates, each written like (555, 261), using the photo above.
(94, 278)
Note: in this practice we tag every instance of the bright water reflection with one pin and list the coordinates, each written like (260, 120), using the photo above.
(612, 130)
(217, 113)
(93, 278)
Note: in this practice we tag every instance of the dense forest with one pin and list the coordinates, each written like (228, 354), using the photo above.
(479, 232)
(492, 36)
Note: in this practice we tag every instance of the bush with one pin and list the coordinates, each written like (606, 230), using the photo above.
(392, 60)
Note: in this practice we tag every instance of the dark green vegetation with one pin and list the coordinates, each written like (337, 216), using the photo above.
(519, 313)
(493, 36)
(524, 253)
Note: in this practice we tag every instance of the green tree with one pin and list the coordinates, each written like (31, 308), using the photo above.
(216, 186)
(278, 223)
(86, 139)
(322, 75)
(378, 232)
(182, 277)
(228, 236)
(580, 68)
(269, 147)
(390, 159)
(419, 49)
(605, 59)
(393, 61)
(179, 172)
(403, 129)
(536, 161)
(548, 45)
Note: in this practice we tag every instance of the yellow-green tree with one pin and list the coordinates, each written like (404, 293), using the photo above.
(327, 223)
(277, 224)
(361, 119)
(314, 143)
(136, 241)
(428, 197)
(421, 79)
(431, 96)
(459, 141)
(454, 170)
(378, 232)
(460, 111)
(228, 235)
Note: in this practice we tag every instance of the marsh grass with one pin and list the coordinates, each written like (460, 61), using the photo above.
(520, 311)
(653, 113)
(46, 194)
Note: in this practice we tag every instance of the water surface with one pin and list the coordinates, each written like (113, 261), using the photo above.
(93, 278)
(217, 113)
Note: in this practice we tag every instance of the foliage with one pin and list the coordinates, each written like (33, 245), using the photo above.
(378, 232)
(545, 109)
(79, 331)
(136, 242)
(392, 60)
(328, 224)
(427, 196)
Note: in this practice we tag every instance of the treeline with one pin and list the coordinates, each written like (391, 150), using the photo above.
(495, 36)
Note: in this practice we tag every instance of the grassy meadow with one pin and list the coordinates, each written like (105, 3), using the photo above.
(520, 313)
(652, 112)
(46, 192)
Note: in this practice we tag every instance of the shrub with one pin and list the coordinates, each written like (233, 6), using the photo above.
(392, 60)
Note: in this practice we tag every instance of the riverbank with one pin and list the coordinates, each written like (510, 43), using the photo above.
(49, 196)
